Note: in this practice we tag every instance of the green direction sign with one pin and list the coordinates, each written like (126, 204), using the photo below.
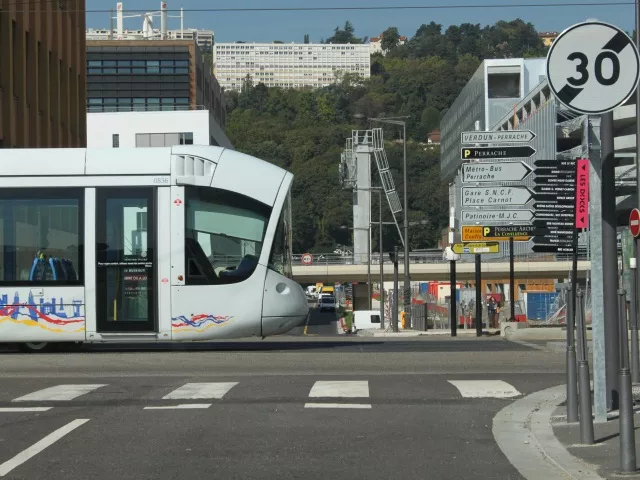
(476, 247)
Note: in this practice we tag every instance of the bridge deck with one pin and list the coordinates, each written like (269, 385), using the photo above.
(438, 271)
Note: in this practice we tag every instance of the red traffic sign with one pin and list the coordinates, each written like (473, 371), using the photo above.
(634, 222)
(307, 259)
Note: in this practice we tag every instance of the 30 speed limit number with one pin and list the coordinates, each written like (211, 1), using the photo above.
(593, 67)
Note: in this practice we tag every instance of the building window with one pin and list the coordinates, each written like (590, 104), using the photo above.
(186, 138)
(503, 85)
(41, 235)
(115, 140)
(224, 235)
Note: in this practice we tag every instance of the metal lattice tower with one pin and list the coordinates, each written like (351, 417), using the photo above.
(385, 176)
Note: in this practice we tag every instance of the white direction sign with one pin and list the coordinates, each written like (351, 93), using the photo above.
(593, 67)
(494, 196)
(495, 172)
(506, 136)
(484, 216)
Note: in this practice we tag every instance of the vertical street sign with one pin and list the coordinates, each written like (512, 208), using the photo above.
(582, 194)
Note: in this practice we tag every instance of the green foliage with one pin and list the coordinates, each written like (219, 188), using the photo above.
(390, 39)
(304, 130)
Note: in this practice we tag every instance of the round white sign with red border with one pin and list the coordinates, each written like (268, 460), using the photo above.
(307, 259)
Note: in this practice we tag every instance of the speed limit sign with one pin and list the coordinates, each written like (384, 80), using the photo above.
(593, 67)
(307, 259)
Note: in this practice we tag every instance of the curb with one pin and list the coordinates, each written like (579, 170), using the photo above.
(524, 433)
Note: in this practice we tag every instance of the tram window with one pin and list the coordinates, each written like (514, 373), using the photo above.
(41, 234)
(280, 258)
(224, 235)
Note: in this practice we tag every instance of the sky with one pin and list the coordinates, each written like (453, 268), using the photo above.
(292, 26)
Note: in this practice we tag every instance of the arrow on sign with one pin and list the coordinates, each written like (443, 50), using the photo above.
(494, 196)
(496, 152)
(553, 188)
(513, 231)
(554, 180)
(496, 215)
(542, 248)
(495, 172)
(552, 223)
(542, 207)
(554, 163)
(506, 136)
(478, 247)
(544, 240)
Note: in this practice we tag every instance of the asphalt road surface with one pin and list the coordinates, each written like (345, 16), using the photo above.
(284, 408)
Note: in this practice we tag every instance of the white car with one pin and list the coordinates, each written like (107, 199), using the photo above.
(327, 302)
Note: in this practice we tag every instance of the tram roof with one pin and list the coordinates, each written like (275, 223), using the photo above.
(199, 165)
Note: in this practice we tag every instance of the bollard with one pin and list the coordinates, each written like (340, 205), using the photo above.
(627, 430)
(572, 376)
(586, 413)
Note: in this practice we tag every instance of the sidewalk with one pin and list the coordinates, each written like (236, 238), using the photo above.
(533, 434)
(604, 454)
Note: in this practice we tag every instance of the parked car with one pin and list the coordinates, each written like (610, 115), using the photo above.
(327, 303)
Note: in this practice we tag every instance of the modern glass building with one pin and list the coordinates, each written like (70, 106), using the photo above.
(151, 75)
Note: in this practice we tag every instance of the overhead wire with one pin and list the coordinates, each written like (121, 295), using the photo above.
(343, 8)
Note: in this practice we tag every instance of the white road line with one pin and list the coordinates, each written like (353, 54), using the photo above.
(59, 393)
(485, 388)
(38, 447)
(336, 405)
(24, 409)
(192, 391)
(184, 406)
(331, 389)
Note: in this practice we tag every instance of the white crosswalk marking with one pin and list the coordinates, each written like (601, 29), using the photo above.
(331, 389)
(485, 388)
(59, 393)
(183, 406)
(192, 391)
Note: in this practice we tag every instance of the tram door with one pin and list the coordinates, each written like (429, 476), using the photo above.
(125, 259)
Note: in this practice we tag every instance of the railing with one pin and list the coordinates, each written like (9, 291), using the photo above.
(430, 257)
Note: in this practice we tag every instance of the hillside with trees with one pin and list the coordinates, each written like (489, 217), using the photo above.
(304, 130)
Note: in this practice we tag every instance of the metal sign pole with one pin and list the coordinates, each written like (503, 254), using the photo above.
(478, 296)
(609, 260)
(512, 293)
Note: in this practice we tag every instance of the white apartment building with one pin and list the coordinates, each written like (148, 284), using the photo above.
(288, 65)
(203, 37)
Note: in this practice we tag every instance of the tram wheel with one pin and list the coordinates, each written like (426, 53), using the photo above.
(34, 347)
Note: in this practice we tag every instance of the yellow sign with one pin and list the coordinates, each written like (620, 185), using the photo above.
(473, 233)
(477, 247)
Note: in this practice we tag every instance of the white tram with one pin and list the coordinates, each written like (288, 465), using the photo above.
(144, 244)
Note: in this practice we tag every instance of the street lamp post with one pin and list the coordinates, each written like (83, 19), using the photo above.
(407, 281)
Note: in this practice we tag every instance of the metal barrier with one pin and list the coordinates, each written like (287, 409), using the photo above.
(430, 257)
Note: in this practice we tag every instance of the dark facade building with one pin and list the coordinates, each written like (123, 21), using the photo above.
(42, 73)
(151, 75)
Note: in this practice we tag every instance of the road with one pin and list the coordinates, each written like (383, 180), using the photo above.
(289, 407)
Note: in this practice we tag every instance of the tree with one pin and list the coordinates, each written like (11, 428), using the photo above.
(390, 39)
(304, 130)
